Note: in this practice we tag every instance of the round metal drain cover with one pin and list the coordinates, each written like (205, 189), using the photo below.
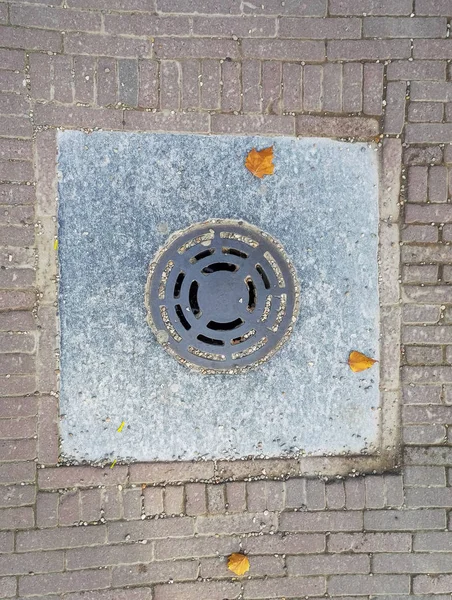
(221, 296)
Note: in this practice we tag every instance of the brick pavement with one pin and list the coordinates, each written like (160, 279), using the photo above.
(353, 68)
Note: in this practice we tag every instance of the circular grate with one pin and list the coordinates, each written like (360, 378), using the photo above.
(221, 296)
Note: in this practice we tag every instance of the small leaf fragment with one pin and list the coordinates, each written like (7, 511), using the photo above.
(121, 427)
(113, 464)
(238, 563)
(359, 362)
(259, 162)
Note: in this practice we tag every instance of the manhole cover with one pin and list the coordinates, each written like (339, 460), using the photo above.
(221, 296)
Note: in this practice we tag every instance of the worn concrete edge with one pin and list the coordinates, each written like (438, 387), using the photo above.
(386, 457)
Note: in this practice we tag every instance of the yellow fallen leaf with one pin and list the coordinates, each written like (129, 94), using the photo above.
(359, 362)
(121, 427)
(259, 162)
(238, 563)
(55, 244)
(113, 464)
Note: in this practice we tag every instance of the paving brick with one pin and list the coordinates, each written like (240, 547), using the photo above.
(369, 542)
(17, 385)
(16, 517)
(260, 566)
(432, 49)
(352, 87)
(77, 116)
(355, 493)
(189, 122)
(396, 27)
(106, 45)
(327, 564)
(406, 520)
(214, 590)
(424, 434)
(210, 89)
(343, 585)
(411, 563)
(216, 499)
(113, 4)
(142, 24)
(422, 155)
(315, 8)
(58, 583)
(31, 39)
(286, 587)
(54, 18)
(295, 493)
(84, 77)
(171, 48)
(148, 95)
(425, 234)
(321, 521)
(426, 497)
(132, 504)
(428, 214)
(66, 537)
(395, 107)
(373, 89)
(424, 477)
(158, 572)
(18, 170)
(8, 587)
(430, 334)
(425, 355)
(319, 29)
(18, 407)
(315, 494)
(12, 59)
(17, 215)
(426, 374)
(236, 496)
(332, 87)
(293, 543)
(432, 7)
(16, 126)
(85, 476)
(174, 500)
(6, 541)
(253, 124)
(146, 530)
(16, 342)
(312, 88)
(17, 428)
(422, 70)
(422, 112)
(106, 82)
(31, 562)
(20, 472)
(69, 508)
(370, 7)
(435, 584)
(420, 274)
(360, 127)
(427, 414)
(153, 500)
(195, 499)
(242, 27)
(375, 492)
(100, 556)
(221, 7)
(368, 49)
(229, 524)
(170, 85)
(141, 593)
(230, 88)
(191, 79)
(47, 509)
(196, 546)
(90, 501)
(313, 51)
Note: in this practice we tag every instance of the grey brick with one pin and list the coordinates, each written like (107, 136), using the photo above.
(154, 572)
(321, 521)
(440, 541)
(313, 51)
(327, 564)
(369, 542)
(128, 82)
(370, 7)
(148, 530)
(404, 520)
(368, 49)
(396, 27)
(64, 582)
(424, 476)
(411, 563)
(344, 585)
(423, 70)
(286, 587)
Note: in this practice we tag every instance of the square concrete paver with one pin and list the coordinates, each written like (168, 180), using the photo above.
(120, 197)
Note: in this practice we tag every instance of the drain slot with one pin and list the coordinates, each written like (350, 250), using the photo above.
(202, 255)
(220, 266)
(209, 340)
(228, 326)
(251, 294)
(264, 276)
(178, 284)
(180, 315)
(235, 252)
(193, 299)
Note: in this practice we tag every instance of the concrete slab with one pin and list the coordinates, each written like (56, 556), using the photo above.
(120, 196)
